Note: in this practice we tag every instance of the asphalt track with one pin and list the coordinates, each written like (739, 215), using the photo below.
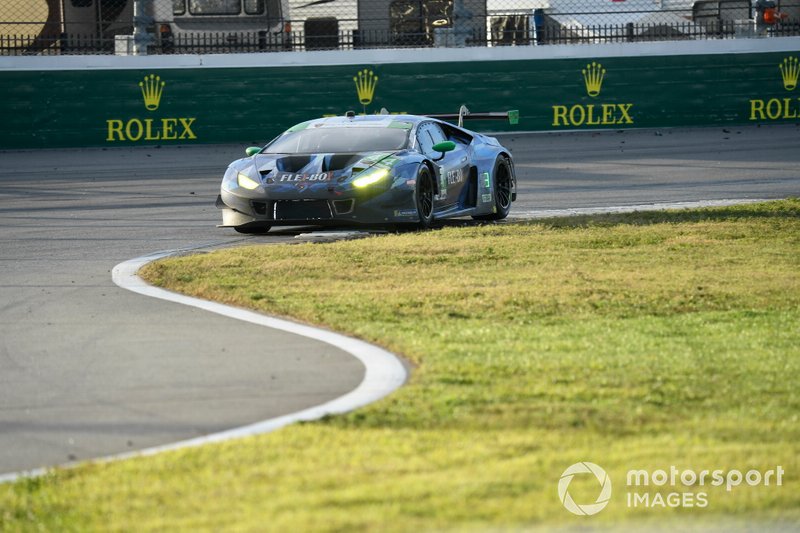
(88, 369)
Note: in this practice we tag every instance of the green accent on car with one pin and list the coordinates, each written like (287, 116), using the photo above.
(398, 124)
(252, 150)
(445, 146)
(299, 127)
(487, 180)
(387, 162)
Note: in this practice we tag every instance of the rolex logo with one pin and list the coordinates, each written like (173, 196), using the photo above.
(154, 128)
(593, 76)
(152, 87)
(598, 113)
(365, 81)
(789, 72)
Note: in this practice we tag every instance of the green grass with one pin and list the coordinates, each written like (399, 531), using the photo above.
(634, 341)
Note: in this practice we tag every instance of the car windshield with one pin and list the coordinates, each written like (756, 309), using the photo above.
(345, 139)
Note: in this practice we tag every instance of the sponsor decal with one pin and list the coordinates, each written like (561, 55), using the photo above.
(595, 114)
(455, 176)
(451, 177)
(150, 129)
(366, 81)
(780, 108)
(152, 88)
(442, 187)
(486, 198)
(593, 76)
(290, 177)
(790, 69)
(405, 212)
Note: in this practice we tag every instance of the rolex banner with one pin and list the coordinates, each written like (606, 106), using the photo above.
(61, 108)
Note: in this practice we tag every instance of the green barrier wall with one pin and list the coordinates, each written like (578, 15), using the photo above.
(60, 108)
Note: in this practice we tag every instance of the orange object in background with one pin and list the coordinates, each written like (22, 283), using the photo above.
(771, 15)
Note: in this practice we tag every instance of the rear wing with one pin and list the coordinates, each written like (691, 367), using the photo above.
(464, 113)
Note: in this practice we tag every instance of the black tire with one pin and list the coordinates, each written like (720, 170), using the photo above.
(502, 190)
(253, 228)
(424, 196)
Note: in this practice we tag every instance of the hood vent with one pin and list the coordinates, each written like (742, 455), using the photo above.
(339, 161)
(324, 162)
(292, 163)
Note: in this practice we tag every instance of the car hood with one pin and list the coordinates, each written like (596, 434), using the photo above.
(307, 164)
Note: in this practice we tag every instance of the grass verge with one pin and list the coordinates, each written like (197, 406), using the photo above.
(635, 341)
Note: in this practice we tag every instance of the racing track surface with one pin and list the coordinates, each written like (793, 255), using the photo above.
(88, 369)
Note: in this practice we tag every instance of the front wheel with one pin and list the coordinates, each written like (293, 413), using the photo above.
(424, 196)
(502, 190)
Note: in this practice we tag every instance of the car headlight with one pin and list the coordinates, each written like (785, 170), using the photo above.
(246, 181)
(370, 177)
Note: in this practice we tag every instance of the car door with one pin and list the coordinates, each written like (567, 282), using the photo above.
(451, 170)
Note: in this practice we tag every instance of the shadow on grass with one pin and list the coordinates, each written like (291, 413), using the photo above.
(783, 209)
(779, 209)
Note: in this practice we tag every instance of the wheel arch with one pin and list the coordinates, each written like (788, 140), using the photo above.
(428, 163)
(504, 153)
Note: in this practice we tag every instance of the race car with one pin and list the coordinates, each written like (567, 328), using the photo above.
(371, 169)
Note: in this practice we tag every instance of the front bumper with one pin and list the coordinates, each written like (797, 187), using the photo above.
(396, 205)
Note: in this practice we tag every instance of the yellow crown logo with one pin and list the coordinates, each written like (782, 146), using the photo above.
(152, 87)
(365, 81)
(790, 69)
(593, 76)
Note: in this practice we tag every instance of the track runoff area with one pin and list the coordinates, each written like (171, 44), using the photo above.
(625, 166)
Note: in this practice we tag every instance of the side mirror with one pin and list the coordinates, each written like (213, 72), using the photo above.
(253, 150)
(444, 147)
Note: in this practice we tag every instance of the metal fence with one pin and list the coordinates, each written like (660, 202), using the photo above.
(124, 27)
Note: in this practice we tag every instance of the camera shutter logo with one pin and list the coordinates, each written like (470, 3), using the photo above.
(587, 509)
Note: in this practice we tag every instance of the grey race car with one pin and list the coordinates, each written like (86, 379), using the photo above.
(370, 169)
